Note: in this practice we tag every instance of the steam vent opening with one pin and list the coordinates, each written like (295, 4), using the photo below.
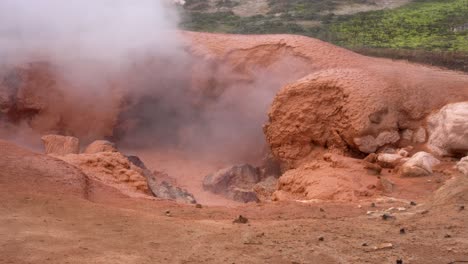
(221, 131)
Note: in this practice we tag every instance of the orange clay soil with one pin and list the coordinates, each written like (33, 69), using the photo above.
(50, 213)
(53, 213)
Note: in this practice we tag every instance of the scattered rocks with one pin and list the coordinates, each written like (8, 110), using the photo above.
(448, 130)
(100, 146)
(419, 165)
(241, 220)
(61, 145)
(235, 183)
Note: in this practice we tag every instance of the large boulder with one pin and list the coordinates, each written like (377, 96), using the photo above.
(100, 146)
(388, 160)
(166, 190)
(448, 130)
(61, 145)
(420, 164)
(113, 169)
(235, 182)
(354, 111)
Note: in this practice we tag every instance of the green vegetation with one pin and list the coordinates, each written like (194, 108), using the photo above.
(427, 25)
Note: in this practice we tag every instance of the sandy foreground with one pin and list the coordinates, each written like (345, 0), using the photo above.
(41, 223)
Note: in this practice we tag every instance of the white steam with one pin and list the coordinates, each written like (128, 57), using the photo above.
(84, 31)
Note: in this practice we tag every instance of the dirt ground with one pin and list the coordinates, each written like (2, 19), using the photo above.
(42, 223)
(38, 228)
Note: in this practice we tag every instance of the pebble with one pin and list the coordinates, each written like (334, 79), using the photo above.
(241, 220)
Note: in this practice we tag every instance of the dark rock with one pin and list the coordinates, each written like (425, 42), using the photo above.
(462, 207)
(387, 217)
(402, 231)
(161, 188)
(412, 203)
(169, 192)
(270, 167)
(240, 220)
(399, 261)
(199, 206)
(137, 162)
(242, 195)
(321, 238)
(266, 188)
(235, 183)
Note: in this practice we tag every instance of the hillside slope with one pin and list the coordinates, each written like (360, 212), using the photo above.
(427, 31)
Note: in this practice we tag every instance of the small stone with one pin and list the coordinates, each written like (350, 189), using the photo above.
(447, 236)
(372, 204)
(365, 244)
(412, 203)
(373, 169)
(399, 261)
(322, 210)
(321, 238)
(240, 220)
(384, 246)
(462, 207)
(371, 158)
(425, 212)
(387, 217)
(199, 206)
(402, 231)
(168, 213)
